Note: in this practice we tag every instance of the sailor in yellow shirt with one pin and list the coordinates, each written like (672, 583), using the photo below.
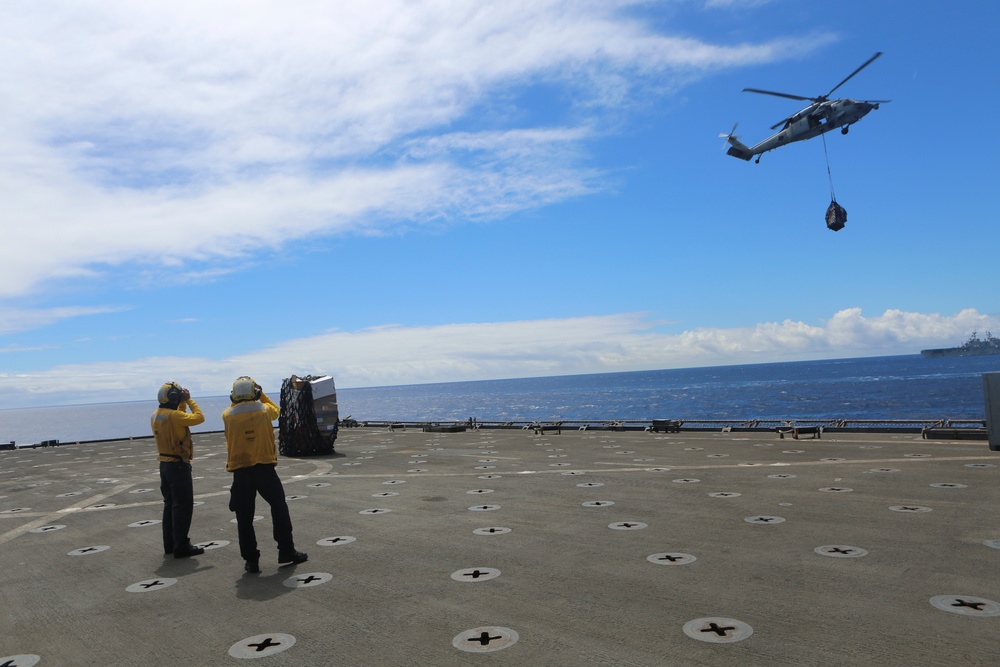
(171, 425)
(252, 457)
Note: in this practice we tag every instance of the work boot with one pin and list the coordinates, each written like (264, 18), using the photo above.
(252, 566)
(188, 551)
(292, 557)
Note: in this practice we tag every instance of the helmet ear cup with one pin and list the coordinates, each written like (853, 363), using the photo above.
(170, 392)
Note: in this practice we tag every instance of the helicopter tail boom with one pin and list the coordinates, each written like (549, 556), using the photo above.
(736, 149)
(739, 149)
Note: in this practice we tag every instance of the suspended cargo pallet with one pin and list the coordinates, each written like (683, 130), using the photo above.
(836, 216)
(309, 419)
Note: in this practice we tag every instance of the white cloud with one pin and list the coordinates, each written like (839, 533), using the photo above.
(13, 320)
(15, 349)
(392, 355)
(256, 123)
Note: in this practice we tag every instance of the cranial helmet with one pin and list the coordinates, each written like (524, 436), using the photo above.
(245, 389)
(170, 392)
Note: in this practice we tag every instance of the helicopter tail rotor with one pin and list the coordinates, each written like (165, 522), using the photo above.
(729, 136)
(736, 148)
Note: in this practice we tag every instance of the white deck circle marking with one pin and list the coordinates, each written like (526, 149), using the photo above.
(149, 585)
(86, 551)
(485, 639)
(717, 630)
(307, 580)
(841, 551)
(671, 558)
(966, 605)
(260, 646)
(475, 574)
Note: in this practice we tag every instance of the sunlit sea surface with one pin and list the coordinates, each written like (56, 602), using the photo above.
(871, 388)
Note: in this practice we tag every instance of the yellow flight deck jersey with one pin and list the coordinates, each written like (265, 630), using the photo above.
(250, 434)
(172, 433)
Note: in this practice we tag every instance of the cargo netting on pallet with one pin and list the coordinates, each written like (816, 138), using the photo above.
(836, 216)
(298, 431)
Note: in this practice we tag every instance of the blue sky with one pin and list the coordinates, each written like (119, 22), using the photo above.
(409, 192)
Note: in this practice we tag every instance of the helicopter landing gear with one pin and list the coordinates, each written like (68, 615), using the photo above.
(844, 129)
(757, 161)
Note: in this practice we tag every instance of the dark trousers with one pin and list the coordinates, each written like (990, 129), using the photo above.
(178, 503)
(247, 483)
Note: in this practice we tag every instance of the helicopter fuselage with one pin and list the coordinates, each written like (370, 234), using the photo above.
(818, 118)
(811, 122)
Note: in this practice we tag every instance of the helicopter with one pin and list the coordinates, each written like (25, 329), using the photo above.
(822, 115)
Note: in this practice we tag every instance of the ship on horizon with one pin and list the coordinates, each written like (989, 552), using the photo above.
(975, 346)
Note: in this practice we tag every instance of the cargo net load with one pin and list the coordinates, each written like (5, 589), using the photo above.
(309, 417)
(836, 216)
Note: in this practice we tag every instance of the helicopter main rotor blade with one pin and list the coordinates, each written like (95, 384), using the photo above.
(771, 92)
(866, 64)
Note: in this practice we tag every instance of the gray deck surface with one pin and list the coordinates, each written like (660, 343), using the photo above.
(578, 582)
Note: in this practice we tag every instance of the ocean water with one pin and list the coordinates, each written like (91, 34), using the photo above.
(871, 388)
